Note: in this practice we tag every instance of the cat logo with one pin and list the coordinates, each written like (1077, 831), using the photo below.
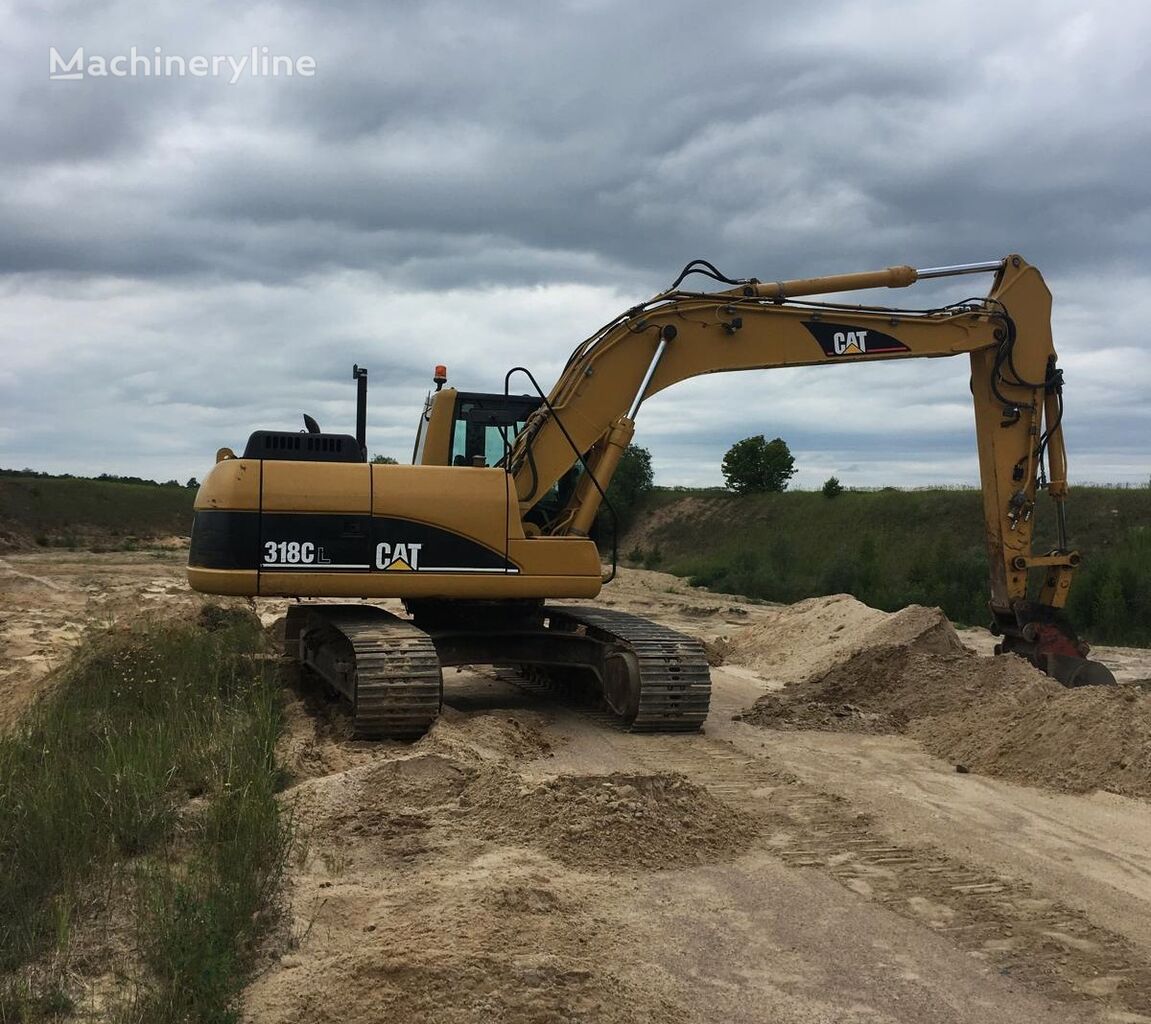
(849, 340)
(398, 557)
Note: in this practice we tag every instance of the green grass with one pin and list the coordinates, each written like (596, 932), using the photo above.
(892, 548)
(146, 778)
(71, 511)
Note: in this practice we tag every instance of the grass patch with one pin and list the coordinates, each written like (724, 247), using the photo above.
(893, 548)
(149, 773)
(71, 512)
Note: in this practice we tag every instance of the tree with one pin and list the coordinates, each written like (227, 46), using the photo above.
(755, 465)
(633, 478)
(192, 483)
(832, 488)
(383, 460)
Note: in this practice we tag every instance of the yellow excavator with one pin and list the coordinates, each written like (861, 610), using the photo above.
(493, 517)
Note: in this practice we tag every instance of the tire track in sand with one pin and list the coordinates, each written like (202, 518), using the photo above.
(1023, 933)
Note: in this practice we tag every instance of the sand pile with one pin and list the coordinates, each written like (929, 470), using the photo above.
(995, 715)
(487, 737)
(1039, 733)
(406, 805)
(382, 795)
(882, 689)
(408, 983)
(801, 640)
(648, 821)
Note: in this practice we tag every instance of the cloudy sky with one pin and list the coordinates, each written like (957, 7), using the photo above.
(184, 259)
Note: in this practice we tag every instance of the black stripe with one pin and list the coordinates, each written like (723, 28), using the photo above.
(239, 540)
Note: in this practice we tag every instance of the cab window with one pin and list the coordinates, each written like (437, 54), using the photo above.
(486, 426)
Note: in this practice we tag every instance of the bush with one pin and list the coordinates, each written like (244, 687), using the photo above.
(832, 488)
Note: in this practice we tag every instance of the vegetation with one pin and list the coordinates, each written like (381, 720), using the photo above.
(758, 466)
(633, 480)
(67, 511)
(105, 477)
(832, 488)
(383, 460)
(891, 548)
(143, 791)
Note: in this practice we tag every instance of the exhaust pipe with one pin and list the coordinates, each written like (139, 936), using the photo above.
(360, 376)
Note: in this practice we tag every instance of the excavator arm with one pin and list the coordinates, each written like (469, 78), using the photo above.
(589, 415)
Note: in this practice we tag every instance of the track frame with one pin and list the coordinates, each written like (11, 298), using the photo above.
(389, 669)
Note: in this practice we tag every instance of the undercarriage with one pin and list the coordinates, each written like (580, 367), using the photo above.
(389, 669)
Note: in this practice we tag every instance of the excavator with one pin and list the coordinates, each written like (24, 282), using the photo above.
(491, 522)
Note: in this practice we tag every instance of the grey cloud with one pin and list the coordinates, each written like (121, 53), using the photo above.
(444, 181)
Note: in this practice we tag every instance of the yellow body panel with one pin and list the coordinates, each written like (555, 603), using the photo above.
(436, 430)
(322, 487)
(478, 503)
(231, 484)
(462, 505)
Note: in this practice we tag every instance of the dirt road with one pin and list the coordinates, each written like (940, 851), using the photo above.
(527, 861)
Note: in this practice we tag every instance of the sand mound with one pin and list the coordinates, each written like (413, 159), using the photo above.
(996, 715)
(445, 986)
(593, 821)
(879, 690)
(810, 637)
(383, 797)
(649, 821)
(486, 737)
(459, 963)
(1096, 737)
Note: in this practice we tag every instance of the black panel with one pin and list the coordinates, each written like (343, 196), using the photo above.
(368, 544)
(322, 542)
(851, 340)
(303, 447)
(428, 548)
(225, 540)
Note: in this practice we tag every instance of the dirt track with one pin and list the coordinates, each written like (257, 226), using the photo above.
(528, 862)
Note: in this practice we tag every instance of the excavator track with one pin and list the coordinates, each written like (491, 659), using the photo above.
(656, 680)
(384, 666)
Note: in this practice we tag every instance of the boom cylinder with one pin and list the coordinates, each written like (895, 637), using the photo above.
(600, 467)
(892, 277)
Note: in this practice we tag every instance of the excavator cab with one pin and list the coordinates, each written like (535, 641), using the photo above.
(469, 428)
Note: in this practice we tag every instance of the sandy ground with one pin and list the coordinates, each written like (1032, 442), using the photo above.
(527, 861)
(48, 598)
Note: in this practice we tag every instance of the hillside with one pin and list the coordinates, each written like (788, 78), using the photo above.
(50, 511)
(892, 548)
